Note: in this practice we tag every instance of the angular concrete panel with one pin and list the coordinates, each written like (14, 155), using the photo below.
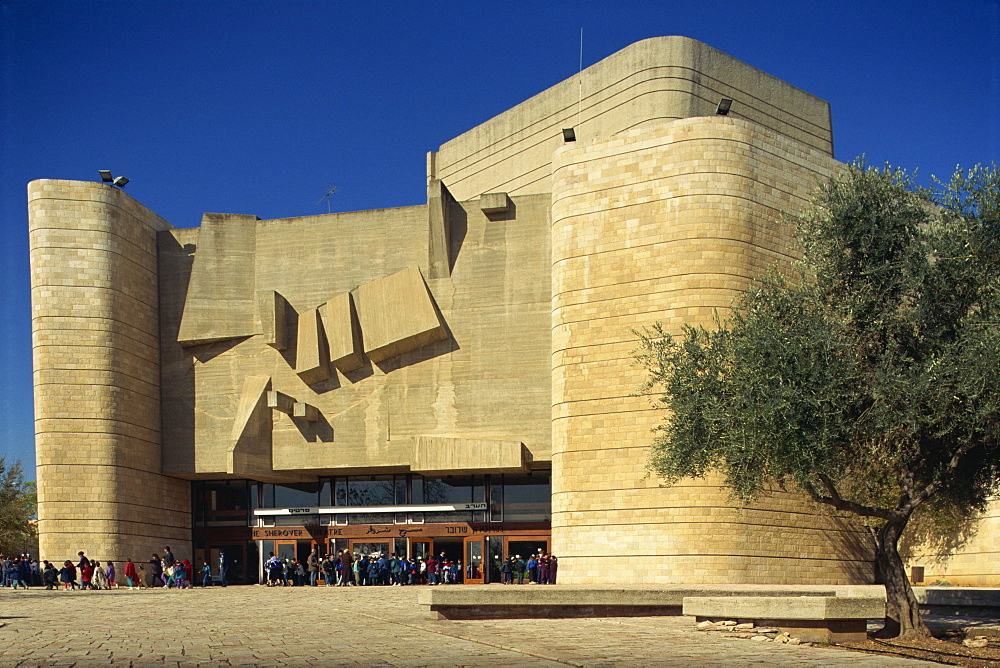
(312, 360)
(220, 301)
(343, 332)
(397, 315)
(272, 310)
(250, 440)
(442, 209)
(494, 203)
(441, 455)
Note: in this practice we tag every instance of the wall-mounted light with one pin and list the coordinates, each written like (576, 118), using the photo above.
(119, 181)
(724, 106)
(569, 134)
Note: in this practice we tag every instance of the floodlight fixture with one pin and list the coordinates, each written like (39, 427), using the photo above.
(569, 134)
(724, 106)
(106, 176)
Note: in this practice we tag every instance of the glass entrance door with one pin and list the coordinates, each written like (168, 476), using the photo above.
(474, 561)
(285, 549)
(420, 549)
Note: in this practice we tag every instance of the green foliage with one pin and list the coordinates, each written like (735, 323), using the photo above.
(17, 509)
(868, 374)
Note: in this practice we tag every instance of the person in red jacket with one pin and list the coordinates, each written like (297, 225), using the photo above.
(432, 570)
(131, 577)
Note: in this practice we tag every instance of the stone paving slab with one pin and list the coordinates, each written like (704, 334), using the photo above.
(369, 626)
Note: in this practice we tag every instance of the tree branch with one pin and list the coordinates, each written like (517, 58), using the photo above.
(937, 483)
(839, 503)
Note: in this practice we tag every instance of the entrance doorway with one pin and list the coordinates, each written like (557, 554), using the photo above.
(236, 555)
(420, 549)
(454, 551)
(525, 546)
(474, 565)
(293, 549)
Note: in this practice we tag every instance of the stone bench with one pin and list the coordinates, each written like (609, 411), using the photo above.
(959, 601)
(826, 619)
(562, 601)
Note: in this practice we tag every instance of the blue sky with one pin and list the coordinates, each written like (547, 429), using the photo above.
(258, 107)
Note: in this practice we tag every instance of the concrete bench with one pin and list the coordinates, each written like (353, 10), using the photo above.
(826, 619)
(959, 601)
(561, 601)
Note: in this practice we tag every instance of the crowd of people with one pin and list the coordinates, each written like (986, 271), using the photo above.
(166, 571)
(539, 568)
(343, 569)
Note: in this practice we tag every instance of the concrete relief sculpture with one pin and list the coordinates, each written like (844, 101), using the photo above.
(343, 332)
(312, 356)
(220, 296)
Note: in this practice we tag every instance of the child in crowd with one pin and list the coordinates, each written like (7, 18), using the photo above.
(67, 575)
(50, 576)
(131, 576)
(180, 575)
(206, 575)
(14, 574)
(98, 580)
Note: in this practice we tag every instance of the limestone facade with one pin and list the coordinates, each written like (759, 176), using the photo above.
(488, 332)
(96, 350)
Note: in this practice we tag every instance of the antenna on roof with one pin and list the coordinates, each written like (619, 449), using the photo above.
(579, 103)
(326, 197)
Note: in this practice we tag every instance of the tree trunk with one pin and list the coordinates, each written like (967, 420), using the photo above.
(902, 613)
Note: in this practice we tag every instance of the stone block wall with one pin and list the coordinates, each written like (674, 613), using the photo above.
(97, 391)
(650, 81)
(668, 222)
(965, 556)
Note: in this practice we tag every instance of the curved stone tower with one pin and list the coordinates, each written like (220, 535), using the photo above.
(668, 222)
(96, 351)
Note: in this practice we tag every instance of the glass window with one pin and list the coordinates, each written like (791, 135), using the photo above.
(291, 495)
(301, 494)
(370, 518)
(453, 489)
(417, 489)
(371, 491)
(496, 499)
(527, 498)
(400, 488)
(221, 503)
(340, 493)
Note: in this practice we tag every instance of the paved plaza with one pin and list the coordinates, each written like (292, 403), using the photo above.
(255, 625)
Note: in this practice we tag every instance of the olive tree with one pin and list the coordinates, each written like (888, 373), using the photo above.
(17, 509)
(867, 375)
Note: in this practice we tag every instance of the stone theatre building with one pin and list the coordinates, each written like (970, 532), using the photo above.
(452, 376)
